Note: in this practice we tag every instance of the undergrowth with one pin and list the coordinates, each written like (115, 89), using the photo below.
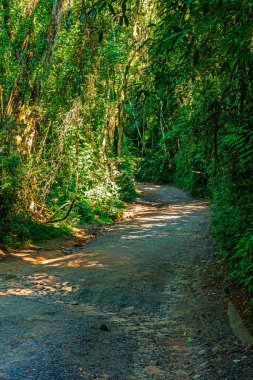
(100, 200)
(21, 229)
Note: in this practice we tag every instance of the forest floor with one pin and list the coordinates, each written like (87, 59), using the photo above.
(142, 300)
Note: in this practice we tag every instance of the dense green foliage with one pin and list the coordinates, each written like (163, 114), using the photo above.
(194, 105)
(89, 88)
(60, 119)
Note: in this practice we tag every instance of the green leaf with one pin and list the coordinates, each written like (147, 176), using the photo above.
(196, 57)
(102, 6)
(138, 95)
(111, 9)
(126, 20)
(100, 36)
(94, 14)
(184, 9)
(176, 29)
(124, 7)
(82, 17)
(178, 39)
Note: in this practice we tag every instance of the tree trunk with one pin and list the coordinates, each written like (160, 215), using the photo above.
(56, 16)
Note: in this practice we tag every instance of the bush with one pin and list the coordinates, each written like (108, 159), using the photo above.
(125, 180)
(233, 230)
(21, 229)
(155, 168)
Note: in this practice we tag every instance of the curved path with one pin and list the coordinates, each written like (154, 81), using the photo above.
(138, 302)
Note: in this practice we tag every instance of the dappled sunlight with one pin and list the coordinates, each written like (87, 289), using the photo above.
(77, 260)
(95, 97)
(17, 292)
(136, 236)
(84, 374)
(152, 223)
(159, 218)
(148, 187)
(38, 284)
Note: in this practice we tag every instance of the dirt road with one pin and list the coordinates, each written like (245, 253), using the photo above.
(138, 302)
